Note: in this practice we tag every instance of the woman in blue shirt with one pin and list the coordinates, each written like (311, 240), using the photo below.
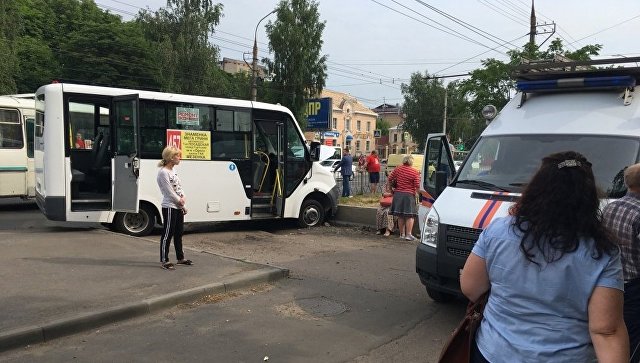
(554, 274)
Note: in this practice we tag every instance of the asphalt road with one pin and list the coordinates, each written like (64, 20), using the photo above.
(352, 296)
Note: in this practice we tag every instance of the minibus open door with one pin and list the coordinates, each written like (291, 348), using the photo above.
(279, 190)
(437, 172)
(125, 164)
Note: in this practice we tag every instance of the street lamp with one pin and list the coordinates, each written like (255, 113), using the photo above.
(254, 85)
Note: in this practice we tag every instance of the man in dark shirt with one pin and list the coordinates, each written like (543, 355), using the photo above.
(345, 166)
(622, 217)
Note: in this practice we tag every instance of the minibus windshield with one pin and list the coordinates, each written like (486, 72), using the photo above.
(508, 162)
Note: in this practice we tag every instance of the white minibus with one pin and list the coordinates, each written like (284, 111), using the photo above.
(17, 116)
(570, 106)
(97, 150)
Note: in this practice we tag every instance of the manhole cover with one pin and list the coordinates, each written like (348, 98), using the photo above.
(321, 306)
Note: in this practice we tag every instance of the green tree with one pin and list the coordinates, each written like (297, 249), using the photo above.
(37, 64)
(110, 53)
(295, 39)
(9, 18)
(187, 62)
(423, 105)
(383, 125)
(462, 123)
(493, 83)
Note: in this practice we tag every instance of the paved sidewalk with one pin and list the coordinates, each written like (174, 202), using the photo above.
(62, 281)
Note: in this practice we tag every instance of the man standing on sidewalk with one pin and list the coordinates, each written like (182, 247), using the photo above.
(622, 217)
(346, 169)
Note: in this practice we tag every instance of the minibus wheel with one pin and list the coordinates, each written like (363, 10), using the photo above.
(439, 296)
(135, 224)
(311, 213)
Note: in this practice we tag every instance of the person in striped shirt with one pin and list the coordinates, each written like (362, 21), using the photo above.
(405, 182)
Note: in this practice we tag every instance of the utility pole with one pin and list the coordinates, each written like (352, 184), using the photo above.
(444, 120)
(254, 65)
(532, 25)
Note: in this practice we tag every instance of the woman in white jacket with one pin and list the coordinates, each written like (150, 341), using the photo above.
(173, 207)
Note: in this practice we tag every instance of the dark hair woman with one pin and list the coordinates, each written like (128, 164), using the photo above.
(554, 274)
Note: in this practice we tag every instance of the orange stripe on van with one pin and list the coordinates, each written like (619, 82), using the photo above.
(487, 212)
(426, 199)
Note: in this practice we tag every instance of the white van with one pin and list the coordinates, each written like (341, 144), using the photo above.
(558, 107)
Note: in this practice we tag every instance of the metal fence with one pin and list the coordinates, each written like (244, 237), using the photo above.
(360, 183)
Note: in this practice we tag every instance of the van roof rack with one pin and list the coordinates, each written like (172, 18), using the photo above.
(559, 68)
(563, 75)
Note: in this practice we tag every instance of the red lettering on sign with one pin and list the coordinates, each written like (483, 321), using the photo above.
(173, 138)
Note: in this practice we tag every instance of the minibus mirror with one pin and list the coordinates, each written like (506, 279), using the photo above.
(441, 182)
(314, 150)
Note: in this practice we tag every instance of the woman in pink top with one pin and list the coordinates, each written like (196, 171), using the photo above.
(405, 181)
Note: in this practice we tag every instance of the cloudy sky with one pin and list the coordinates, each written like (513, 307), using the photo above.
(375, 45)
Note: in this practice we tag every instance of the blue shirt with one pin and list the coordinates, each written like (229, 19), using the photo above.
(538, 313)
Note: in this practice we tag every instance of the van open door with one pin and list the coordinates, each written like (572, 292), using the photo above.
(437, 172)
(125, 164)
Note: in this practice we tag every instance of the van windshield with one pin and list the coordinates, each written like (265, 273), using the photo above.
(508, 162)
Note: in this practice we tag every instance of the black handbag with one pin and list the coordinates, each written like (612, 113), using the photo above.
(458, 347)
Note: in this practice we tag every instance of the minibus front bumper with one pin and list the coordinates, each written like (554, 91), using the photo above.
(52, 207)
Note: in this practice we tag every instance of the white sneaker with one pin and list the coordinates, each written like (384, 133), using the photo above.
(351, 196)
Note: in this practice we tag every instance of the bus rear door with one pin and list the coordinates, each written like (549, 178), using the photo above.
(125, 164)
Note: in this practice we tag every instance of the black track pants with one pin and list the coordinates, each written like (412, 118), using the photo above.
(172, 228)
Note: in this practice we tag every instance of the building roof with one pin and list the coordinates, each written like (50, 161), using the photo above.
(387, 108)
(340, 98)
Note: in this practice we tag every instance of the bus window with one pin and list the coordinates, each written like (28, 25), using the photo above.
(10, 130)
(81, 125)
(153, 125)
(231, 138)
(297, 163)
(190, 117)
(29, 123)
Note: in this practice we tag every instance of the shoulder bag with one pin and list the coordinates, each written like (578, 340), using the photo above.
(458, 347)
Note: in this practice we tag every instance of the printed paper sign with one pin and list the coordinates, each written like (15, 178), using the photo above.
(187, 116)
(195, 145)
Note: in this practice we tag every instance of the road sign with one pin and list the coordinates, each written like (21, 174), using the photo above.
(377, 133)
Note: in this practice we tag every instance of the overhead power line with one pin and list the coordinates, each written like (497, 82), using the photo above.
(501, 12)
(608, 28)
(467, 25)
(453, 32)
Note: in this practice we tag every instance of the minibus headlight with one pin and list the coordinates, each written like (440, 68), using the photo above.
(430, 233)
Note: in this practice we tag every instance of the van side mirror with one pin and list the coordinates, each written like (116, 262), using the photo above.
(441, 182)
(314, 151)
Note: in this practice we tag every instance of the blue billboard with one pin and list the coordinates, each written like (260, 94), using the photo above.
(318, 112)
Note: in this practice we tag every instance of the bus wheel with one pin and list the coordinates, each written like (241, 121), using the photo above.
(439, 296)
(311, 213)
(135, 224)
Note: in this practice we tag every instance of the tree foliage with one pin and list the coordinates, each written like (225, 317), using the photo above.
(295, 38)
(423, 105)
(383, 125)
(186, 61)
(493, 83)
(8, 35)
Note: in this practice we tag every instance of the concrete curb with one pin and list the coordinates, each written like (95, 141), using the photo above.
(28, 335)
(363, 217)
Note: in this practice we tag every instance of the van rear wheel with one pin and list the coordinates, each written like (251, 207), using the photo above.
(439, 296)
(135, 224)
(311, 213)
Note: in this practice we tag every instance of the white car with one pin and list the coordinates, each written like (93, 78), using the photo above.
(330, 164)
